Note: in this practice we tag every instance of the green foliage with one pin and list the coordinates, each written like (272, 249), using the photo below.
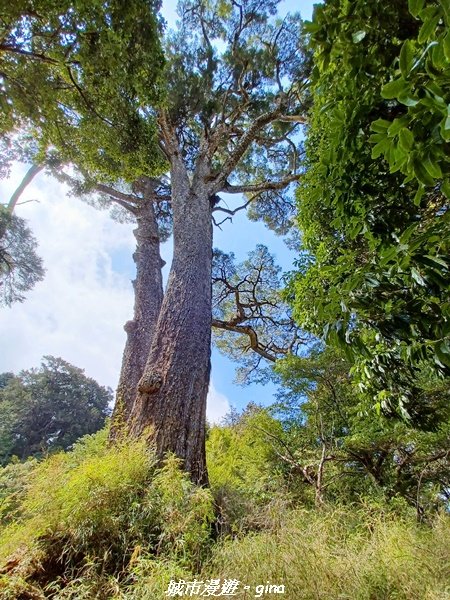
(376, 278)
(48, 409)
(330, 425)
(20, 266)
(13, 486)
(416, 143)
(88, 518)
(109, 522)
(86, 77)
(243, 469)
(348, 553)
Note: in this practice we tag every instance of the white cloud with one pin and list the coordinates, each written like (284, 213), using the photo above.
(79, 309)
(217, 405)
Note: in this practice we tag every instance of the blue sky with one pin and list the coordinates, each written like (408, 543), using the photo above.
(79, 310)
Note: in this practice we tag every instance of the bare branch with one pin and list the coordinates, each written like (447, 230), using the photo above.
(127, 201)
(292, 119)
(29, 176)
(232, 212)
(250, 332)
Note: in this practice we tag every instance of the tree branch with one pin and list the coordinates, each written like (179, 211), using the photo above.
(32, 55)
(127, 201)
(292, 119)
(260, 187)
(29, 176)
(243, 144)
(245, 330)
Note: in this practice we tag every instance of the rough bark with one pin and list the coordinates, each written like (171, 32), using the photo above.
(148, 293)
(170, 406)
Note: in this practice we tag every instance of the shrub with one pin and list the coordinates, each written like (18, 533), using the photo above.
(244, 470)
(90, 516)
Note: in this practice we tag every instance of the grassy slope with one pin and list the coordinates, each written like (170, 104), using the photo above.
(106, 523)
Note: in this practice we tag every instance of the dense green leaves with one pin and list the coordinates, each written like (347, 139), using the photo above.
(372, 205)
(86, 76)
(422, 84)
(48, 409)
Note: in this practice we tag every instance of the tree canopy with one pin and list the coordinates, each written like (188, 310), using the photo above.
(373, 204)
(49, 408)
(85, 76)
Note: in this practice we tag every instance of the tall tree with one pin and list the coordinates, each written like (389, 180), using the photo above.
(147, 202)
(232, 111)
(229, 124)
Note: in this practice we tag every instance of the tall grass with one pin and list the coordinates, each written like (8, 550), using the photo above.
(108, 522)
(345, 554)
(88, 518)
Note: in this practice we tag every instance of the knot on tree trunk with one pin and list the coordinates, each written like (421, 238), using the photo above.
(150, 383)
(130, 326)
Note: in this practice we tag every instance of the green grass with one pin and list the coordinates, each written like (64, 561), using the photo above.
(107, 522)
(342, 553)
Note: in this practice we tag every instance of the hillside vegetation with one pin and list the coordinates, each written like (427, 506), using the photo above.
(102, 522)
(335, 132)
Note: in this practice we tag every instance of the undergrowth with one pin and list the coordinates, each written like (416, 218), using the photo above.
(87, 518)
(108, 522)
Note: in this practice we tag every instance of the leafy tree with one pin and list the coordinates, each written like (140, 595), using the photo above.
(49, 408)
(336, 444)
(73, 73)
(228, 124)
(20, 266)
(375, 278)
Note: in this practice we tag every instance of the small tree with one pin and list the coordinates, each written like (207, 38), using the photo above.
(336, 444)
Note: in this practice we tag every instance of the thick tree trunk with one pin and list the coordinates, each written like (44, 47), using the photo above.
(148, 294)
(170, 407)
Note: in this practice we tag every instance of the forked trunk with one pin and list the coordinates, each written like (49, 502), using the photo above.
(170, 407)
(148, 294)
